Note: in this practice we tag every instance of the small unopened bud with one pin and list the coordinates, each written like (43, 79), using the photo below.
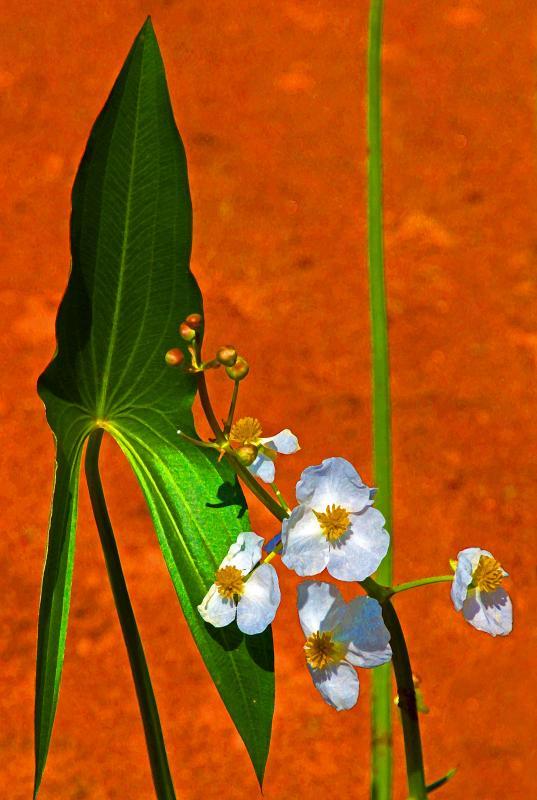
(227, 356)
(239, 370)
(187, 333)
(174, 357)
(247, 454)
(194, 320)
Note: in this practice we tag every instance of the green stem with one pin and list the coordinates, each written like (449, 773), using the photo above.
(198, 442)
(381, 785)
(402, 587)
(407, 704)
(146, 699)
(280, 497)
(432, 787)
(231, 414)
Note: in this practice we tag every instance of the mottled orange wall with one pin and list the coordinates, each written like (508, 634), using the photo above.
(269, 100)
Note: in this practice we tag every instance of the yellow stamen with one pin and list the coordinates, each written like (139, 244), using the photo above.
(334, 522)
(229, 582)
(322, 651)
(488, 574)
(246, 431)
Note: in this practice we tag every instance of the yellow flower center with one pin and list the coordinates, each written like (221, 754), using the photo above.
(322, 651)
(334, 522)
(246, 430)
(229, 582)
(488, 574)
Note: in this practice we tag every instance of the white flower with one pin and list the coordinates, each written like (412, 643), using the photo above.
(340, 636)
(247, 431)
(334, 526)
(252, 599)
(477, 591)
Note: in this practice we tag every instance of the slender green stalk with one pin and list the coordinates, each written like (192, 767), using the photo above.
(231, 413)
(403, 587)
(407, 704)
(381, 721)
(146, 699)
(432, 787)
(284, 504)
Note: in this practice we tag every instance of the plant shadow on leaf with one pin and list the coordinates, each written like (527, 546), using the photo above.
(230, 494)
(261, 650)
(229, 638)
(259, 646)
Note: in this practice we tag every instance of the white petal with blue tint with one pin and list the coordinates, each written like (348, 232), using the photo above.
(491, 612)
(245, 553)
(264, 468)
(334, 482)
(217, 610)
(359, 552)
(284, 442)
(338, 685)
(320, 606)
(304, 548)
(365, 632)
(258, 605)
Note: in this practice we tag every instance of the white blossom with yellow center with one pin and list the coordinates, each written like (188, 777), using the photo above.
(334, 525)
(252, 599)
(247, 431)
(339, 637)
(477, 592)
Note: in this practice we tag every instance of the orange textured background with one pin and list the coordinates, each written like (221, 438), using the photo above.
(269, 98)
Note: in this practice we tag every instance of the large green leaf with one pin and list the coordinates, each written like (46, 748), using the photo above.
(129, 286)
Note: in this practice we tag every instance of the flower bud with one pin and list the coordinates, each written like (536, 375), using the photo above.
(239, 370)
(227, 356)
(194, 320)
(187, 333)
(247, 454)
(174, 357)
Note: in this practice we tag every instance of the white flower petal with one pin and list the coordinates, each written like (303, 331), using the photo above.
(365, 632)
(216, 609)
(284, 442)
(339, 686)
(359, 552)
(258, 605)
(245, 552)
(263, 468)
(491, 612)
(304, 548)
(320, 606)
(467, 561)
(334, 482)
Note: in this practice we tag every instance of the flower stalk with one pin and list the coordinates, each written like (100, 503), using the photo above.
(403, 587)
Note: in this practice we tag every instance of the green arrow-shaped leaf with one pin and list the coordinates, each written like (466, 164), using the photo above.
(129, 286)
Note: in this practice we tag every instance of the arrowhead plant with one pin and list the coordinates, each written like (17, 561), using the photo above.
(128, 365)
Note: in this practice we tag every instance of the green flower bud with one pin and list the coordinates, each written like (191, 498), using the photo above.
(174, 357)
(227, 356)
(247, 454)
(239, 370)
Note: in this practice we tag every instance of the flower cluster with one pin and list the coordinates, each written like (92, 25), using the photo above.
(333, 526)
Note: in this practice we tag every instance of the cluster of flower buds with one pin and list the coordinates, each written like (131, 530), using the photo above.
(235, 365)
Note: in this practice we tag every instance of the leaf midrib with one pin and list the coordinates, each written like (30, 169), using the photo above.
(122, 263)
